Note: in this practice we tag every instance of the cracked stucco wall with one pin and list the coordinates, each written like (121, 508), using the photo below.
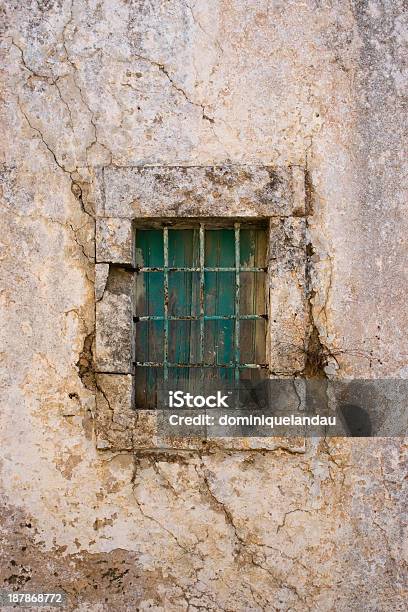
(124, 83)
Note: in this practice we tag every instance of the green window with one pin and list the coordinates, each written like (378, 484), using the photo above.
(200, 304)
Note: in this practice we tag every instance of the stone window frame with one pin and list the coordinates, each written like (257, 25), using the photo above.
(124, 196)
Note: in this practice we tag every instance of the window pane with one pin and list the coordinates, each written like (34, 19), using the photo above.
(252, 293)
(184, 248)
(149, 294)
(184, 342)
(219, 293)
(253, 375)
(147, 380)
(149, 341)
(220, 248)
(186, 379)
(226, 375)
(184, 294)
(254, 392)
(149, 248)
(219, 342)
(252, 248)
(252, 335)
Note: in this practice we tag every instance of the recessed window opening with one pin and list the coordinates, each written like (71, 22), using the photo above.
(200, 303)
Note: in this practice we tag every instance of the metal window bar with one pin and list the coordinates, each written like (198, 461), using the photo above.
(166, 301)
(237, 317)
(237, 298)
(200, 318)
(202, 274)
(242, 366)
(204, 269)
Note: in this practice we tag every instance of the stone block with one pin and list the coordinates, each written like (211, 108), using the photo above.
(114, 241)
(114, 324)
(116, 419)
(230, 191)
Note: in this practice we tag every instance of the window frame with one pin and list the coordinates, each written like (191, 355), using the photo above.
(125, 198)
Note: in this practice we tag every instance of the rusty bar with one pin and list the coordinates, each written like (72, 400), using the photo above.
(201, 355)
(166, 301)
(157, 364)
(252, 317)
(186, 269)
(227, 269)
(237, 302)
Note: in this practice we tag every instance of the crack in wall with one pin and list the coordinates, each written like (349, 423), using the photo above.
(79, 88)
(283, 523)
(162, 68)
(139, 504)
(220, 507)
(278, 582)
(85, 363)
(244, 548)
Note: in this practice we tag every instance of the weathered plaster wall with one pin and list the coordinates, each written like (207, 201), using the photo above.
(314, 83)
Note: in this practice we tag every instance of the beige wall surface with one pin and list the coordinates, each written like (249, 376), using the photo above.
(98, 83)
